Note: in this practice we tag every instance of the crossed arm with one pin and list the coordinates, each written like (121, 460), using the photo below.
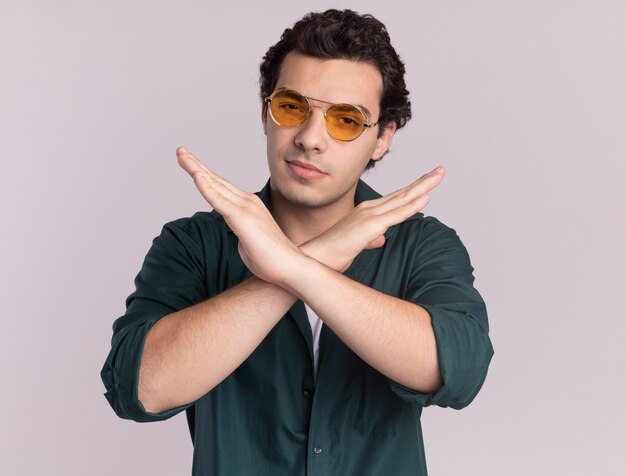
(189, 352)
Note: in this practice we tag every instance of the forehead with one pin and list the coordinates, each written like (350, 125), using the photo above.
(332, 80)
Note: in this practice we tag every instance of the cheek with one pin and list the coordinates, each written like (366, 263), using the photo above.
(278, 138)
(362, 155)
(272, 145)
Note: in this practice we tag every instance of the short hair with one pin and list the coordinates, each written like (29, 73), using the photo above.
(344, 34)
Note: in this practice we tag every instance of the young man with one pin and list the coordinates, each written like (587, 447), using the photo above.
(304, 328)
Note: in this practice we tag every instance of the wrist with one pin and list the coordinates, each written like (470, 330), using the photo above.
(298, 272)
(314, 249)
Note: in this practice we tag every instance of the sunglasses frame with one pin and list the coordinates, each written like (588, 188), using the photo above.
(366, 123)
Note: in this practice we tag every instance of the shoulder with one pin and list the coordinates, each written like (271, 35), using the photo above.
(427, 240)
(201, 232)
(199, 223)
(420, 228)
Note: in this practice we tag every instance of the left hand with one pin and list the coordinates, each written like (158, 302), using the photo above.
(365, 225)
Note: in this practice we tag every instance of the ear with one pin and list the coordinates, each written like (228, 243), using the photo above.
(384, 141)
(264, 116)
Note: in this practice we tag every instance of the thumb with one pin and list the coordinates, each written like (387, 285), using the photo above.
(376, 243)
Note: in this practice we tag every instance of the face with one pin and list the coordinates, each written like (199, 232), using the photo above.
(308, 167)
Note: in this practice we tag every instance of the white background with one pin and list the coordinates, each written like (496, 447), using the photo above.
(523, 103)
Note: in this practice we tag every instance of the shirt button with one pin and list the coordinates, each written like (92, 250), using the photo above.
(317, 450)
(306, 393)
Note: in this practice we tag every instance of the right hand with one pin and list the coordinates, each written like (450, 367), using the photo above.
(263, 247)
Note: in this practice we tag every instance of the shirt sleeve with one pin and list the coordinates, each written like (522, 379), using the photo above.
(171, 278)
(441, 282)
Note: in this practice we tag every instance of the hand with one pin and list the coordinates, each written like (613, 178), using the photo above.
(364, 227)
(262, 244)
(263, 247)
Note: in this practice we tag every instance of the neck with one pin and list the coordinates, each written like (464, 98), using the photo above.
(301, 223)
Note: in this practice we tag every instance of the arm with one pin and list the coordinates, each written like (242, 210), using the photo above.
(189, 352)
(392, 335)
(188, 347)
(433, 343)
(177, 344)
(397, 324)
(173, 345)
(441, 281)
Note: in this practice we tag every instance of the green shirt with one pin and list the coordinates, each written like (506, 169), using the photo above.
(270, 416)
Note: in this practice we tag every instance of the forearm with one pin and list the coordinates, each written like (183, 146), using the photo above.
(189, 352)
(392, 335)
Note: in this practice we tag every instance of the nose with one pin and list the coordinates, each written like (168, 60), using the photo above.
(312, 134)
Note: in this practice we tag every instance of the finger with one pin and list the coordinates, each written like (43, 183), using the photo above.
(399, 214)
(425, 182)
(218, 196)
(376, 243)
(408, 194)
(191, 164)
(381, 223)
(211, 182)
(404, 190)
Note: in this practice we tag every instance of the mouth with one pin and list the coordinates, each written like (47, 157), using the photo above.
(305, 165)
(305, 170)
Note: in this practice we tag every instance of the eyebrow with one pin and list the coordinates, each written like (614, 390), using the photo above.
(365, 109)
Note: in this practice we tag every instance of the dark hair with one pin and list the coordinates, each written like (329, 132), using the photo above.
(344, 34)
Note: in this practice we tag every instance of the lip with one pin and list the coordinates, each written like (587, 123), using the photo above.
(305, 170)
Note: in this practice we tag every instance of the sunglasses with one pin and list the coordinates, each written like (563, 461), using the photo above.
(344, 122)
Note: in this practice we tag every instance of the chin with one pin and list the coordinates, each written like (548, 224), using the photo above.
(303, 198)
(302, 193)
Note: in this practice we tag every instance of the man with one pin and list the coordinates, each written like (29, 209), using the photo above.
(304, 328)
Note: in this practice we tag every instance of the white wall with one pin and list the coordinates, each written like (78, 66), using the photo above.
(523, 103)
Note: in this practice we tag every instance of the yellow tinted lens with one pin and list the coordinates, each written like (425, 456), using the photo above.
(289, 108)
(345, 122)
